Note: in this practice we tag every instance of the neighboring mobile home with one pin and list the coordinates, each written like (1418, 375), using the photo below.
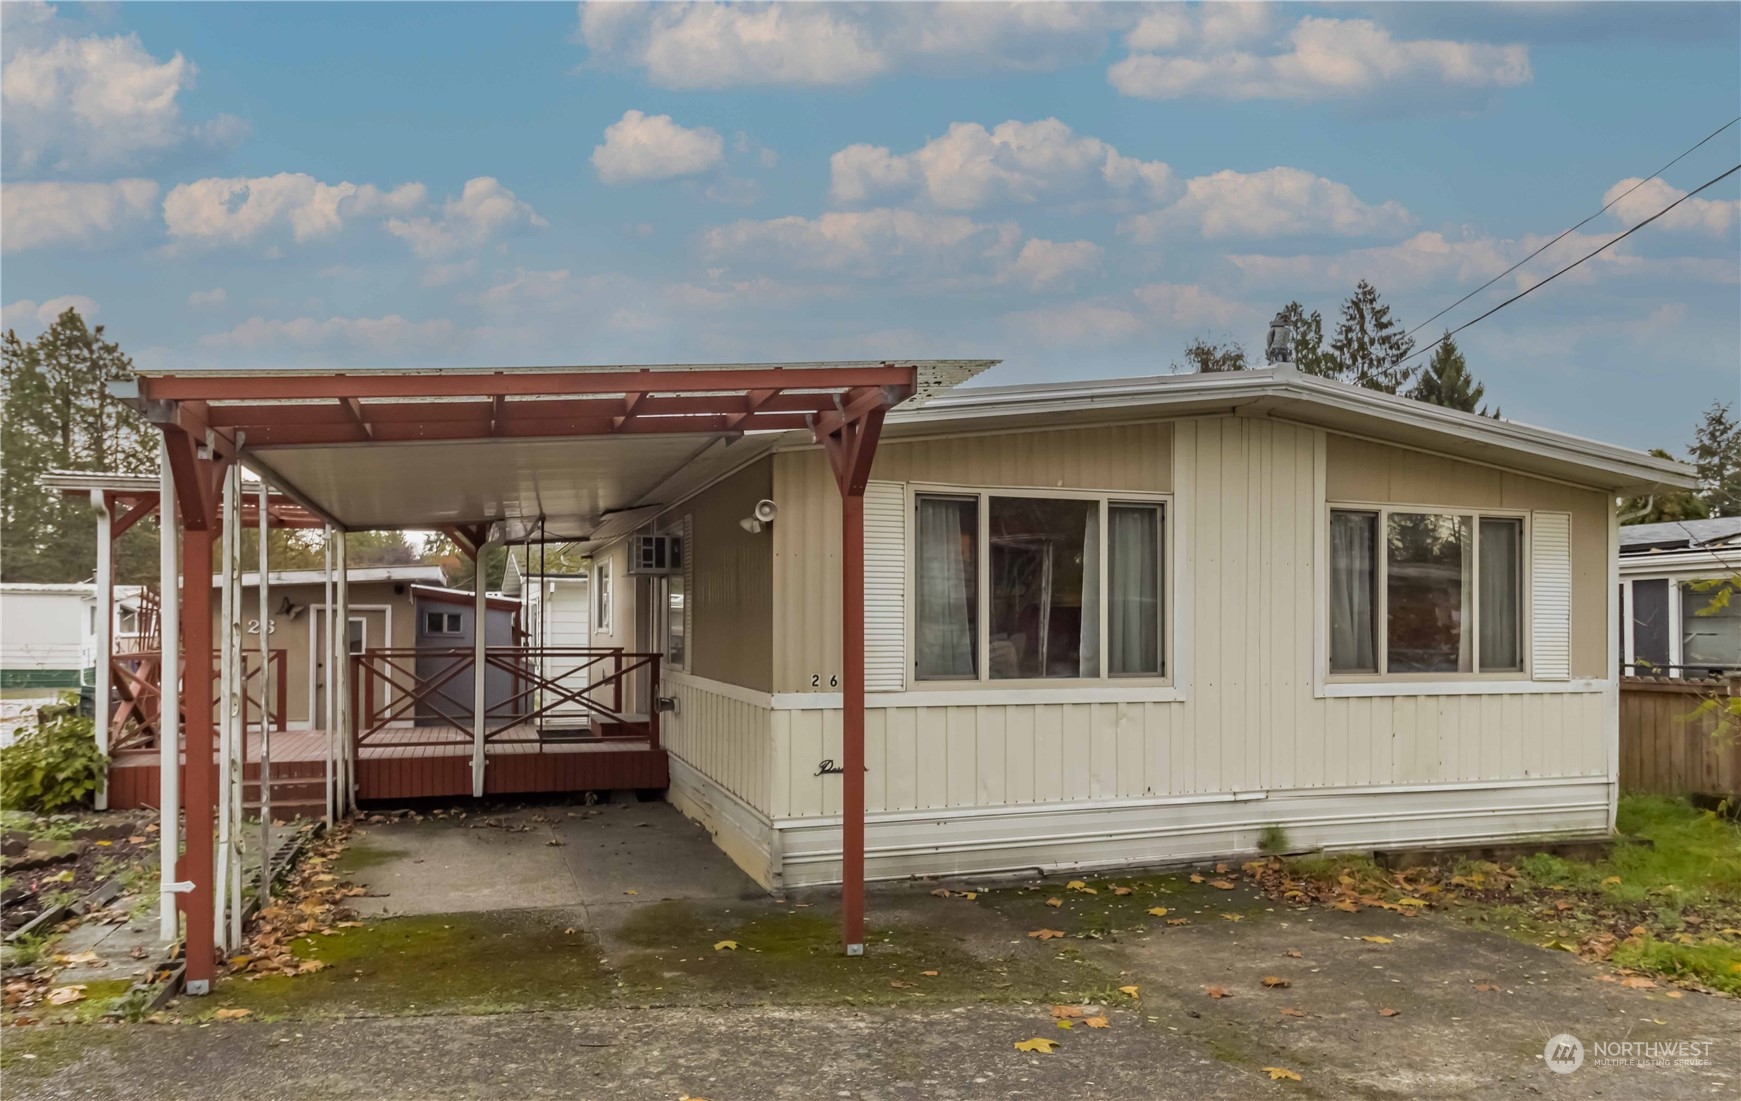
(1676, 621)
(1146, 620)
(48, 633)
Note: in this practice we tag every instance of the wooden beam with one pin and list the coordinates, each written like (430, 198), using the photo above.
(533, 383)
(143, 505)
(631, 404)
(354, 409)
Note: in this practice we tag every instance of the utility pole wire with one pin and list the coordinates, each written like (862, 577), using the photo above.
(1600, 248)
(1573, 229)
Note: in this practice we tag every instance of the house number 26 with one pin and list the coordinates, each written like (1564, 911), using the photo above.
(816, 680)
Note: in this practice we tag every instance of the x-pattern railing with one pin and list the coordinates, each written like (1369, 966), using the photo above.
(397, 686)
(138, 684)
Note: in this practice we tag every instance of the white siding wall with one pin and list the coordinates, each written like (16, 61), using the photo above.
(1250, 736)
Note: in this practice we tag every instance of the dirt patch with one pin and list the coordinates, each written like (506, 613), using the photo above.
(57, 859)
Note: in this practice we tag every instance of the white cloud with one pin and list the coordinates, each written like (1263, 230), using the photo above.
(1645, 197)
(36, 214)
(1319, 59)
(484, 210)
(1273, 203)
(1150, 310)
(386, 336)
(867, 243)
(640, 147)
(721, 292)
(440, 275)
(708, 45)
(1423, 260)
(238, 210)
(214, 297)
(1014, 162)
(24, 311)
(83, 104)
(529, 288)
(1043, 265)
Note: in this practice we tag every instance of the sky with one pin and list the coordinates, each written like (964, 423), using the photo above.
(1078, 190)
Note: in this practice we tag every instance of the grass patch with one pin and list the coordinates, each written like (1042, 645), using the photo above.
(1713, 964)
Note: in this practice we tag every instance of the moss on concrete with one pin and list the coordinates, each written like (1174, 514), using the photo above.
(795, 958)
(453, 963)
(1101, 911)
(361, 855)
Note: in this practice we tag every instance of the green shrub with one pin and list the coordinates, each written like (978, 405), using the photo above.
(52, 766)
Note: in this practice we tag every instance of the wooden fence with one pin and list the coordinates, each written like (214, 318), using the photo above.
(1665, 749)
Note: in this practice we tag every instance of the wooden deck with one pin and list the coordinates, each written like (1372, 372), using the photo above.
(420, 763)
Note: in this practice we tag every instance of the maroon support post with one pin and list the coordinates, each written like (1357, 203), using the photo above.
(852, 720)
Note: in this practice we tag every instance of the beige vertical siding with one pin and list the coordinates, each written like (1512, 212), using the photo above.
(1358, 470)
(723, 736)
(806, 544)
(732, 606)
(1247, 500)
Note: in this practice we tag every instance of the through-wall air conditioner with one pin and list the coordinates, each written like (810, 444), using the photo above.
(655, 554)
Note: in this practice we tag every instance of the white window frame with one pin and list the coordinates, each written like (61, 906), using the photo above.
(982, 682)
(455, 618)
(604, 578)
(1522, 678)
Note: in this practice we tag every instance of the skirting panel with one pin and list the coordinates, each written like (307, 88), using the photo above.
(1116, 833)
(740, 831)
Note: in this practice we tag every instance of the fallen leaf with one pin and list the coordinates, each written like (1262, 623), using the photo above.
(1097, 1022)
(970, 895)
(929, 974)
(1378, 940)
(1131, 990)
(66, 995)
(1065, 1025)
(80, 957)
(1347, 906)
(139, 952)
(1278, 1073)
(1293, 954)
(724, 945)
(1075, 885)
(1290, 1011)
(1038, 1043)
(136, 839)
(307, 966)
(1054, 902)
(1178, 921)
(1411, 902)
(1389, 1012)
(631, 891)
(1611, 881)
(900, 984)
(1486, 988)
(1637, 982)
(1232, 917)
(1195, 878)
(568, 932)
(1221, 884)
(1157, 911)
(1274, 982)
(1121, 890)
(1673, 994)
(231, 1014)
(1046, 934)
(941, 892)
(1217, 992)
(1066, 1011)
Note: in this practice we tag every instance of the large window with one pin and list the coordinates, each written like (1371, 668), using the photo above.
(1425, 593)
(1012, 588)
(1710, 627)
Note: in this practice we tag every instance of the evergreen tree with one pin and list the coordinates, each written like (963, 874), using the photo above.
(1446, 381)
(58, 415)
(1201, 357)
(1308, 338)
(1370, 346)
(1716, 454)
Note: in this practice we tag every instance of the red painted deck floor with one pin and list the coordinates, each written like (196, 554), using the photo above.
(423, 762)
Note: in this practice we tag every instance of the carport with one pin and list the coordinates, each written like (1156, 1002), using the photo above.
(491, 456)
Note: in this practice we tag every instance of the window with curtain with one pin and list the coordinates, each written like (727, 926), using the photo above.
(1066, 587)
(1425, 593)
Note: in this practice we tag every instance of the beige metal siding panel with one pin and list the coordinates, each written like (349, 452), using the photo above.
(885, 587)
(729, 582)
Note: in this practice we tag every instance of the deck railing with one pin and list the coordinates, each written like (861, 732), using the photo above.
(408, 696)
(138, 681)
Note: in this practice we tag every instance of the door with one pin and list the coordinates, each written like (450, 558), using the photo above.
(367, 630)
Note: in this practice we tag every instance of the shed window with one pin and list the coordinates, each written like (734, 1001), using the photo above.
(1443, 595)
(1036, 588)
(1710, 627)
(442, 623)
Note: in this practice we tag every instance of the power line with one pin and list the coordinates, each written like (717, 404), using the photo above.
(1600, 248)
(1573, 229)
